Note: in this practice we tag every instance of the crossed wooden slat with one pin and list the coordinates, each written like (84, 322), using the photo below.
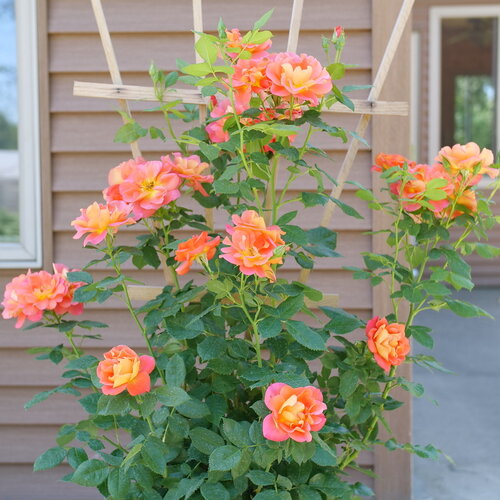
(366, 108)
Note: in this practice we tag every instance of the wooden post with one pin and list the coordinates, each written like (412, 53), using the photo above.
(393, 468)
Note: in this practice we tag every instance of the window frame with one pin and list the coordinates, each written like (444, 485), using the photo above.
(28, 251)
(436, 15)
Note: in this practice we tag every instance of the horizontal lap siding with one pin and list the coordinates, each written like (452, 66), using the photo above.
(82, 152)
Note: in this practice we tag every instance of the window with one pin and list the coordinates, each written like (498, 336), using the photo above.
(20, 213)
(464, 76)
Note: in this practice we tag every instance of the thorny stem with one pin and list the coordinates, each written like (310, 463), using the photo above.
(130, 307)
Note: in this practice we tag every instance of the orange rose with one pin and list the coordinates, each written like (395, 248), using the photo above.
(466, 158)
(122, 369)
(192, 249)
(295, 412)
(387, 342)
(385, 161)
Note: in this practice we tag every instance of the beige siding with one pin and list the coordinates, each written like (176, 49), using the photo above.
(82, 151)
(484, 272)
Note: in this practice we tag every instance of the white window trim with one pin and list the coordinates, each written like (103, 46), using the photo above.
(28, 251)
(436, 15)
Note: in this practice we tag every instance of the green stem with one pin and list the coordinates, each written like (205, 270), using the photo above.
(270, 203)
(130, 307)
(350, 457)
(69, 336)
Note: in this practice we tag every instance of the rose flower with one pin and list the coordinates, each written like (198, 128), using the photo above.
(387, 342)
(193, 249)
(98, 220)
(29, 295)
(295, 412)
(122, 369)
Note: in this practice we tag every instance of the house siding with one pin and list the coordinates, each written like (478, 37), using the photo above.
(79, 149)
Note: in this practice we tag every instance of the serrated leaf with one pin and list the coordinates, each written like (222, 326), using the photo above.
(90, 473)
(348, 383)
(75, 276)
(172, 396)
(305, 335)
(50, 458)
(214, 491)
(224, 458)
(262, 20)
(261, 478)
(269, 328)
(205, 440)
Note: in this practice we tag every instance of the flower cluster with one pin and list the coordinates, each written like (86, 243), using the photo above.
(252, 246)
(137, 189)
(31, 295)
(276, 83)
(446, 187)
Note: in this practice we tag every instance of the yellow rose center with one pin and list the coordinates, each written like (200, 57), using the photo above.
(124, 371)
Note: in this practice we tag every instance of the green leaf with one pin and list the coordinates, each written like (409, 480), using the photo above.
(289, 307)
(172, 396)
(154, 453)
(76, 456)
(200, 69)
(193, 408)
(348, 383)
(214, 491)
(38, 398)
(466, 310)
(341, 321)
(224, 458)
(114, 405)
(50, 458)
(211, 152)
(305, 335)
(302, 452)
(307, 493)
(90, 473)
(269, 327)
(85, 293)
(82, 363)
(223, 186)
(413, 388)
(130, 132)
(211, 348)
(175, 371)
(322, 242)
(262, 20)
(89, 402)
(336, 70)
(261, 478)
(75, 276)
(348, 210)
(207, 49)
(313, 199)
(272, 495)
(118, 483)
(236, 433)
(421, 335)
(205, 440)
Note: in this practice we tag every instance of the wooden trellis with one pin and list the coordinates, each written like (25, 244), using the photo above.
(365, 108)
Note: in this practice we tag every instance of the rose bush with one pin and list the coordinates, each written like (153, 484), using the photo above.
(238, 397)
